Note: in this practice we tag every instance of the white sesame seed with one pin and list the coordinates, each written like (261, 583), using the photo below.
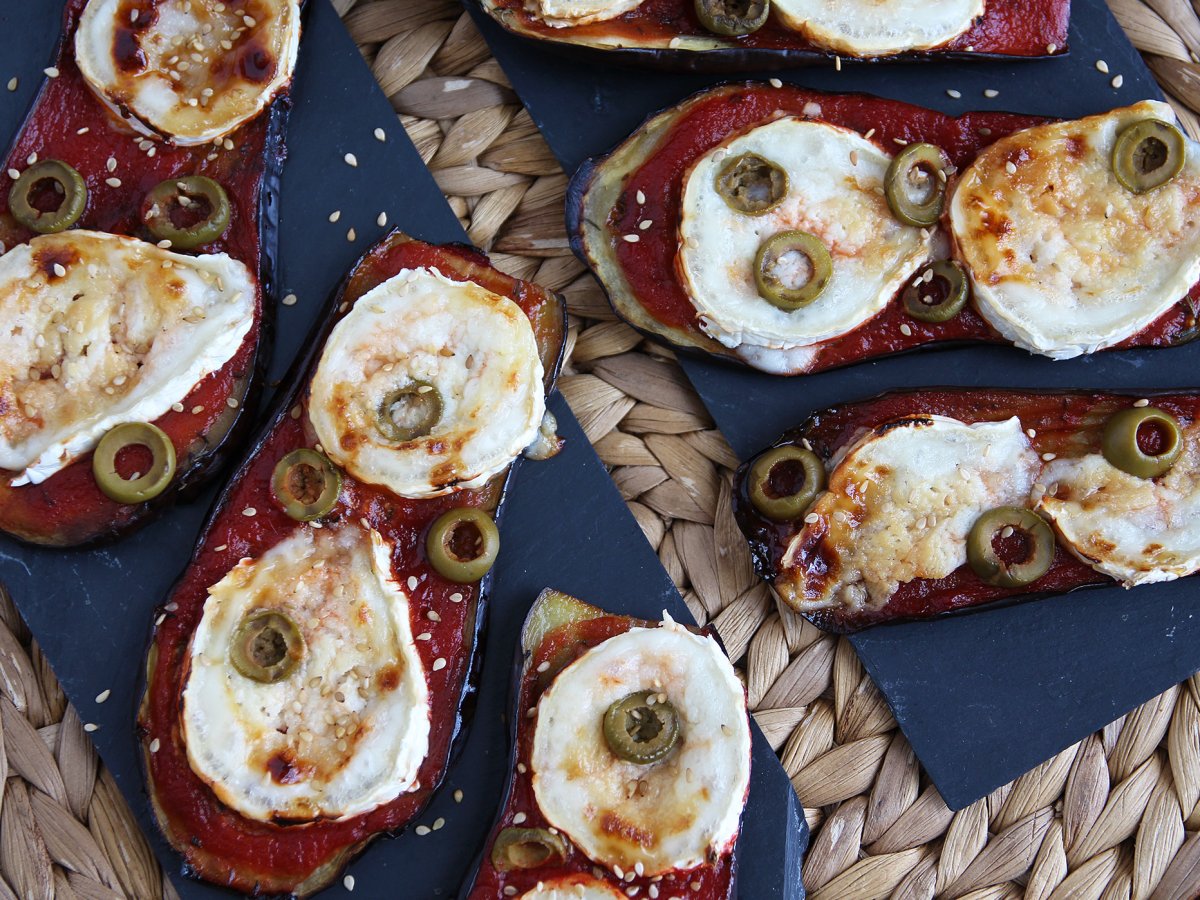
(221, 549)
(154, 745)
(837, 64)
(645, 223)
(905, 329)
(335, 215)
(1048, 456)
(380, 135)
(1051, 48)
(289, 300)
(1101, 67)
(83, 130)
(12, 83)
(991, 93)
(424, 636)
(456, 597)
(776, 83)
(641, 197)
(249, 512)
(197, 409)
(433, 616)
(458, 795)
(14, 174)
(543, 666)
(1010, 167)
(348, 882)
(870, 134)
(90, 727)
(953, 94)
(231, 402)
(631, 238)
(351, 235)
(59, 270)
(177, 406)
(111, 165)
(1031, 433)
(412, 582)
(351, 160)
(422, 830)
(164, 244)
(900, 141)
(439, 664)
(1118, 81)
(113, 182)
(51, 72)
(1140, 404)
(812, 519)
(519, 818)
(103, 695)
(382, 220)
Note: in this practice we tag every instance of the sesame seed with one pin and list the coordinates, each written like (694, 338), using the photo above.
(1051, 48)
(295, 413)
(543, 666)
(458, 795)
(83, 130)
(812, 519)
(221, 549)
(1142, 403)
(351, 160)
(289, 300)
(1101, 67)
(1010, 167)
(113, 182)
(424, 636)
(456, 597)
(519, 818)
(900, 141)
(870, 134)
(351, 235)
(422, 830)
(335, 215)
(197, 409)
(51, 72)
(1048, 456)
(59, 270)
(439, 664)
(231, 402)
(249, 512)
(854, 157)
(991, 93)
(521, 768)
(14, 174)
(348, 882)
(837, 64)
(1118, 81)
(905, 329)
(90, 727)
(953, 94)
(439, 823)
(631, 238)
(511, 890)
(776, 83)
(154, 745)
(1031, 433)
(412, 582)
(164, 244)
(382, 220)
(177, 406)
(12, 83)
(433, 616)
(103, 695)
(641, 197)
(111, 165)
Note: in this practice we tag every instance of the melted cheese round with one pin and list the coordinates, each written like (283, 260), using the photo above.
(476, 348)
(1136, 530)
(565, 13)
(835, 191)
(348, 729)
(1063, 259)
(878, 27)
(574, 887)
(95, 332)
(190, 71)
(673, 814)
(899, 506)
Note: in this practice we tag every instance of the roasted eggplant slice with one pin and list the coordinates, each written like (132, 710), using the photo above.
(618, 721)
(736, 35)
(78, 254)
(947, 498)
(676, 220)
(306, 672)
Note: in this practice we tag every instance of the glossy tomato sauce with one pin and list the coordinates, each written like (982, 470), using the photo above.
(218, 843)
(120, 167)
(558, 650)
(1068, 423)
(1008, 27)
(709, 119)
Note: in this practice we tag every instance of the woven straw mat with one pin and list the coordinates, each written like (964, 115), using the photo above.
(1115, 816)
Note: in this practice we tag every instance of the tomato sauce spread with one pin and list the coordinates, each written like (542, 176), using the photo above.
(218, 844)
(1068, 423)
(120, 168)
(558, 649)
(707, 120)
(1007, 27)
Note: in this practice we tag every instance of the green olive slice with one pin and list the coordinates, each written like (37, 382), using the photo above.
(641, 728)
(1010, 546)
(1143, 441)
(145, 486)
(752, 185)
(462, 544)
(792, 269)
(784, 481)
(306, 484)
(1148, 154)
(189, 212)
(915, 184)
(267, 646)
(733, 18)
(410, 412)
(528, 848)
(938, 293)
(50, 196)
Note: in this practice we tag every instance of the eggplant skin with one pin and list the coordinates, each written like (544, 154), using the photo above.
(710, 54)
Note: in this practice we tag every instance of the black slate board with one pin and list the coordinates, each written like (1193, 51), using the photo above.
(564, 522)
(984, 696)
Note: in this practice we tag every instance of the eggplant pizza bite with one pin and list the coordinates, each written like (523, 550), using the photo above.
(631, 762)
(795, 231)
(740, 34)
(305, 676)
(919, 503)
(135, 258)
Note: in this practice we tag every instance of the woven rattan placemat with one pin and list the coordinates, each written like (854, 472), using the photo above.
(1115, 816)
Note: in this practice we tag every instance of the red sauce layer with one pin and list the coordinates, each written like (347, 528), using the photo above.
(558, 650)
(1065, 424)
(219, 844)
(1007, 27)
(709, 119)
(69, 123)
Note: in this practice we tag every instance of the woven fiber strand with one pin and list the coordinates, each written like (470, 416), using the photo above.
(1115, 816)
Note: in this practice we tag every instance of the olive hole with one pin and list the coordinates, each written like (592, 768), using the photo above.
(786, 479)
(793, 269)
(305, 483)
(267, 648)
(465, 542)
(1151, 154)
(133, 460)
(1154, 438)
(1013, 546)
(741, 8)
(528, 854)
(189, 210)
(642, 725)
(934, 292)
(922, 183)
(46, 195)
